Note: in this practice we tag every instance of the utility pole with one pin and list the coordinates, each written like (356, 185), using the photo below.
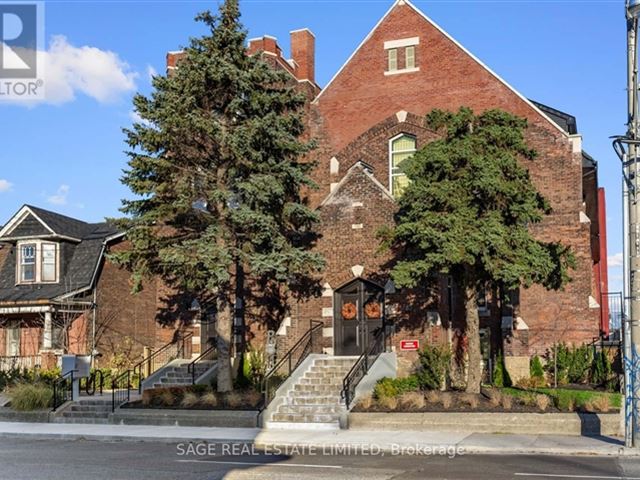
(627, 148)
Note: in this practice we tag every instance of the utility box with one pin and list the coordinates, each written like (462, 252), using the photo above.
(80, 365)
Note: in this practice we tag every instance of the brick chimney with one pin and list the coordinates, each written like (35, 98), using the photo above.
(172, 60)
(265, 44)
(303, 52)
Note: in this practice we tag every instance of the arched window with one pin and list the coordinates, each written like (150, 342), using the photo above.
(401, 147)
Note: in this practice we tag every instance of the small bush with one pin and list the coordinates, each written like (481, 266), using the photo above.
(434, 367)
(30, 396)
(189, 400)
(394, 387)
(433, 396)
(542, 402)
(446, 399)
(471, 399)
(601, 404)
(388, 403)
(507, 402)
(209, 399)
(233, 399)
(495, 397)
(167, 397)
(365, 402)
(413, 400)
(500, 375)
(254, 398)
(535, 367)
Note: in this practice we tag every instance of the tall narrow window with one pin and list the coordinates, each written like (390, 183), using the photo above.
(402, 147)
(410, 57)
(28, 263)
(48, 262)
(393, 59)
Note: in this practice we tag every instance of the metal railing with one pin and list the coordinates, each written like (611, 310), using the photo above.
(19, 362)
(195, 367)
(122, 385)
(62, 390)
(362, 366)
(311, 342)
(93, 383)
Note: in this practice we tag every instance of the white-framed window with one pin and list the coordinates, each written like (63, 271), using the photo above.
(410, 57)
(28, 262)
(400, 148)
(37, 262)
(393, 59)
(49, 262)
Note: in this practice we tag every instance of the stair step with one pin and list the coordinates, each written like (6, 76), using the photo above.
(313, 400)
(310, 409)
(328, 380)
(85, 414)
(301, 418)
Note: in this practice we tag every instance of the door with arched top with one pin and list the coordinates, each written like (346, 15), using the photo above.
(359, 315)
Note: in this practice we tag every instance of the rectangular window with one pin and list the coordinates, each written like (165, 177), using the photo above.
(48, 262)
(393, 60)
(402, 148)
(12, 345)
(28, 263)
(410, 57)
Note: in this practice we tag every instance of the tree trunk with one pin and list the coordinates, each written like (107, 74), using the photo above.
(223, 331)
(474, 372)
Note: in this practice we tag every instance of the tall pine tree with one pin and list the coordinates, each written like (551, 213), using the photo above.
(215, 165)
(467, 213)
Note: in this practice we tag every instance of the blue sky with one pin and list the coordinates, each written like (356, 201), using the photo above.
(67, 154)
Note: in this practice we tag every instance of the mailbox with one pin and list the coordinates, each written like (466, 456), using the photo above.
(79, 364)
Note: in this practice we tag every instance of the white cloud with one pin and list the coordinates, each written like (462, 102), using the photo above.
(70, 71)
(151, 72)
(60, 197)
(5, 185)
(615, 260)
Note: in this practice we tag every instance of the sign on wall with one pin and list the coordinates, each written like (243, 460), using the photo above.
(409, 345)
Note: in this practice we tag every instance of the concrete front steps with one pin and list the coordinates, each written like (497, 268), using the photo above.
(89, 410)
(314, 402)
(178, 375)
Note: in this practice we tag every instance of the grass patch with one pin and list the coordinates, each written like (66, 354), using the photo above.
(565, 398)
(26, 397)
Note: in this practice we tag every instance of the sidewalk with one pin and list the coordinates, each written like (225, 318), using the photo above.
(406, 442)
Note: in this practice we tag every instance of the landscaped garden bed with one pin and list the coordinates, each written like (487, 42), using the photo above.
(197, 397)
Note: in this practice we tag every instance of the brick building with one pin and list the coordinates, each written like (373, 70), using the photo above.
(368, 119)
(60, 293)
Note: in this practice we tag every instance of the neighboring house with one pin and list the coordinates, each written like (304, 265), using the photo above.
(367, 121)
(59, 293)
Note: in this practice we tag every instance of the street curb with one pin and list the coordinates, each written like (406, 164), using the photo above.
(466, 450)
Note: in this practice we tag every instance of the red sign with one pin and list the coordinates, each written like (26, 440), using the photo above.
(409, 345)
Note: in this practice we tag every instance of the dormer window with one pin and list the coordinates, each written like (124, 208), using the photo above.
(37, 262)
(28, 263)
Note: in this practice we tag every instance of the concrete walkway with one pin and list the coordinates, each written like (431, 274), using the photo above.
(408, 443)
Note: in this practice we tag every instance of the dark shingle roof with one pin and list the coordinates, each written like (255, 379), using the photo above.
(79, 260)
(564, 120)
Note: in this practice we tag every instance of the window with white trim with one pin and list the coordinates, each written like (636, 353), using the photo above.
(49, 262)
(401, 148)
(393, 59)
(28, 263)
(410, 57)
(37, 262)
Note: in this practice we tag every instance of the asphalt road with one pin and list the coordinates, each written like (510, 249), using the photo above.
(82, 460)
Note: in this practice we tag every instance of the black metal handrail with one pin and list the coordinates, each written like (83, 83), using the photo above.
(362, 366)
(122, 385)
(208, 355)
(291, 360)
(62, 390)
(91, 384)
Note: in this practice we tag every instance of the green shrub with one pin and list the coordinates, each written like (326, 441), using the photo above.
(535, 368)
(580, 361)
(434, 367)
(30, 396)
(394, 387)
(558, 359)
(500, 375)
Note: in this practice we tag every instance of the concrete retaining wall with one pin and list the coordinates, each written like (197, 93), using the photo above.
(186, 418)
(514, 423)
(38, 416)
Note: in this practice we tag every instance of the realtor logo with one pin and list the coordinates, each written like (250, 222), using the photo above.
(21, 51)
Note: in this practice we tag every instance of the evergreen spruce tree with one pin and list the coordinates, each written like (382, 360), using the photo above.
(215, 165)
(467, 213)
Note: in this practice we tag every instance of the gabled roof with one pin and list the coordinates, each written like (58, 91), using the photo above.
(81, 253)
(367, 170)
(456, 43)
(49, 224)
(564, 120)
